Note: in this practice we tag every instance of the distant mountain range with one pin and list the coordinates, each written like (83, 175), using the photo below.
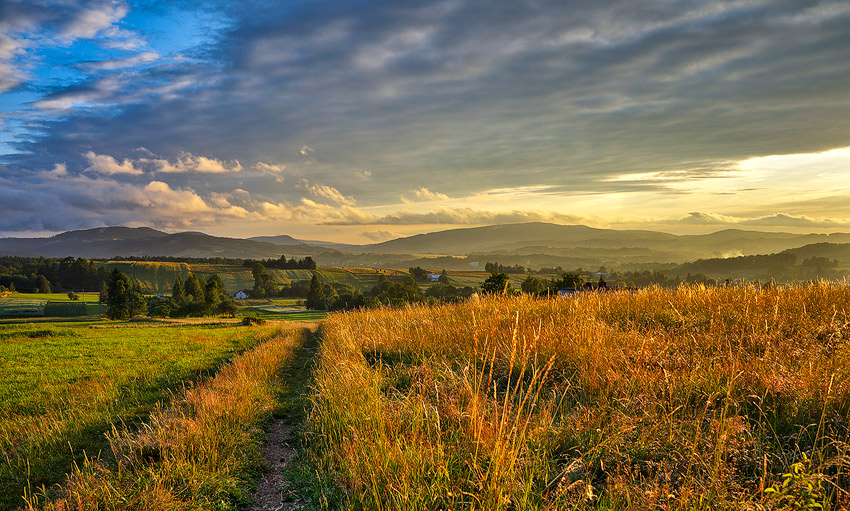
(106, 242)
(510, 242)
(537, 238)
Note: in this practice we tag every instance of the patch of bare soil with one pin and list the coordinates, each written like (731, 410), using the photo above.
(273, 492)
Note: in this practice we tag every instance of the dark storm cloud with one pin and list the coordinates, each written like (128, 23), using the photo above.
(472, 94)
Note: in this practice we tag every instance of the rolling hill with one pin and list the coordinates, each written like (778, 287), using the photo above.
(106, 242)
(529, 244)
(528, 238)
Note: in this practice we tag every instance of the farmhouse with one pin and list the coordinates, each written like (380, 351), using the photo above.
(240, 295)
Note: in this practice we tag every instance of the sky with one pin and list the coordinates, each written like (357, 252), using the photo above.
(364, 120)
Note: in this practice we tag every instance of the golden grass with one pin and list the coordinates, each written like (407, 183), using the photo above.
(199, 452)
(693, 398)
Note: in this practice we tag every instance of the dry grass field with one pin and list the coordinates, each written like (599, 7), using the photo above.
(693, 398)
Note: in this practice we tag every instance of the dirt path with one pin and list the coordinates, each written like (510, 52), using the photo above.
(275, 491)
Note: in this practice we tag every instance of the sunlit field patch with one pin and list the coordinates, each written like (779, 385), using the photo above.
(62, 386)
(201, 450)
(657, 399)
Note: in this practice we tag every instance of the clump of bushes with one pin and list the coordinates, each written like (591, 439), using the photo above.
(253, 320)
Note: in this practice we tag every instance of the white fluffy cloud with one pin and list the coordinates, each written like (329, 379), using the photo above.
(423, 195)
(328, 193)
(107, 165)
(93, 20)
(188, 162)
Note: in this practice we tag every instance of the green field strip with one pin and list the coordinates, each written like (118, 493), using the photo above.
(62, 387)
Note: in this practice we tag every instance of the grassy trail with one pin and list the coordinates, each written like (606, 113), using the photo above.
(282, 485)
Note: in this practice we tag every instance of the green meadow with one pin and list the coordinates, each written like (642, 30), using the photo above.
(63, 386)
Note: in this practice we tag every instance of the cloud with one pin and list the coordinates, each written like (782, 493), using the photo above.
(423, 194)
(107, 165)
(378, 236)
(270, 168)
(10, 75)
(772, 220)
(694, 171)
(100, 93)
(188, 162)
(81, 201)
(461, 216)
(599, 98)
(89, 22)
(121, 63)
(184, 164)
(328, 193)
(59, 170)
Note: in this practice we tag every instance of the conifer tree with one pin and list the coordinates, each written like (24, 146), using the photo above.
(316, 295)
(177, 293)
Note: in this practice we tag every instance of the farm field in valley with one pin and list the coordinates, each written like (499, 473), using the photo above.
(63, 386)
(33, 305)
(158, 277)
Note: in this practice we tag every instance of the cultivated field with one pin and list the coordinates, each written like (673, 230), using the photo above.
(154, 277)
(719, 398)
(55, 305)
(63, 386)
(158, 277)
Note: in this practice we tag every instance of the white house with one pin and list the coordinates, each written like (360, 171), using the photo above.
(240, 295)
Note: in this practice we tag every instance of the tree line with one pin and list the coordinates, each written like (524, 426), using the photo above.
(387, 292)
(282, 263)
(193, 298)
(43, 275)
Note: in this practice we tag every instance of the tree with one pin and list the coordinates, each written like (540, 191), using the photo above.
(178, 296)
(569, 279)
(160, 307)
(316, 295)
(264, 284)
(228, 307)
(532, 285)
(194, 288)
(124, 297)
(212, 293)
(444, 277)
(42, 284)
(419, 274)
(497, 283)
(394, 293)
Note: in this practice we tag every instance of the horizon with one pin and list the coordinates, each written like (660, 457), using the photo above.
(354, 123)
(307, 241)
